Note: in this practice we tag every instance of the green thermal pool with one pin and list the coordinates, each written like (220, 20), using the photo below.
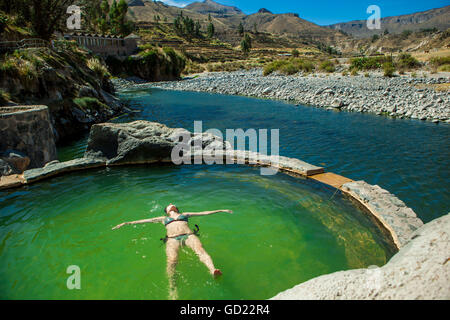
(284, 231)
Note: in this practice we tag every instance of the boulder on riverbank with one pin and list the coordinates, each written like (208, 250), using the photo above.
(139, 142)
(144, 142)
(420, 270)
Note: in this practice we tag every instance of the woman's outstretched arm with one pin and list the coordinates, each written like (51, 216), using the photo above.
(204, 213)
(152, 220)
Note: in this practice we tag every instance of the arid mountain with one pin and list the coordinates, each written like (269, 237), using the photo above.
(287, 24)
(434, 18)
(226, 19)
(213, 8)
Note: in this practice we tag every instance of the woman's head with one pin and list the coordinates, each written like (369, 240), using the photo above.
(171, 208)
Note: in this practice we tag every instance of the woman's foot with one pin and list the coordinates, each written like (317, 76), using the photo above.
(217, 273)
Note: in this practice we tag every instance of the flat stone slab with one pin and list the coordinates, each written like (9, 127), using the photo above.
(391, 211)
(420, 270)
(11, 181)
(331, 179)
(55, 168)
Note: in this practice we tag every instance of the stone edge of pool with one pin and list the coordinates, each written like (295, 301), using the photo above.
(143, 142)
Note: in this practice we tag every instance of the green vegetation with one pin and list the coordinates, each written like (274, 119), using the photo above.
(288, 67)
(369, 63)
(327, 66)
(101, 17)
(241, 29)
(441, 63)
(389, 65)
(389, 69)
(42, 17)
(211, 30)
(295, 53)
(86, 103)
(232, 66)
(185, 26)
(246, 44)
(152, 64)
(406, 61)
(99, 68)
(328, 49)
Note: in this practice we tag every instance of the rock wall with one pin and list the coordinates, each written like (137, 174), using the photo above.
(420, 270)
(28, 130)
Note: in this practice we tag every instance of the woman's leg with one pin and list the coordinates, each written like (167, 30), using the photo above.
(172, 247)
(194, 243)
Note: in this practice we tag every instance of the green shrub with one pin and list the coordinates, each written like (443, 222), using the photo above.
(274, 66)
(354, 72)
(407, 61)
(389, 69)
(444, 68)
(89, 103)
(295, 53)
(369, 63)
(327, 66)
(440, 61)
(441, 64)
(98, 67)
(289, 67)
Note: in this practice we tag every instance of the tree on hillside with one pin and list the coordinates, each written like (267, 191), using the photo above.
(198, 27)
(246, 44)
(44, 16)
(117, 18)
(211, 30)
(241, 29)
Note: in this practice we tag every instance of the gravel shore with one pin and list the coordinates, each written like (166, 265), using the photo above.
(402, 97)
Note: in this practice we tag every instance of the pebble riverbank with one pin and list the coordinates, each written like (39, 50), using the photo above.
(401, 97)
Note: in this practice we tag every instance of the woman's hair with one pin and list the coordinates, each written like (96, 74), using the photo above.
(165, 209)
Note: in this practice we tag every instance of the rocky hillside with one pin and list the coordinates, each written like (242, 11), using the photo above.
(74, 85)
(435, 18)
(214, 8)
(226, 19)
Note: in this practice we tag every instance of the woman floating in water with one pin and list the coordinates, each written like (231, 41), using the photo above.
(179, 234)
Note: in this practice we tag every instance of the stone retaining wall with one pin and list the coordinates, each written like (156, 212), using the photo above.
(28, 129)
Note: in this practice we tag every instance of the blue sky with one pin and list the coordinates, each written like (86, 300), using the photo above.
(325, 12)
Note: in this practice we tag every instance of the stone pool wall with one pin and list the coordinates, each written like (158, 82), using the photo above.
(28, 130)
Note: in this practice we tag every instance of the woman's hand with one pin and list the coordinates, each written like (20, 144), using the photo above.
(119, 226)
(227, 211)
